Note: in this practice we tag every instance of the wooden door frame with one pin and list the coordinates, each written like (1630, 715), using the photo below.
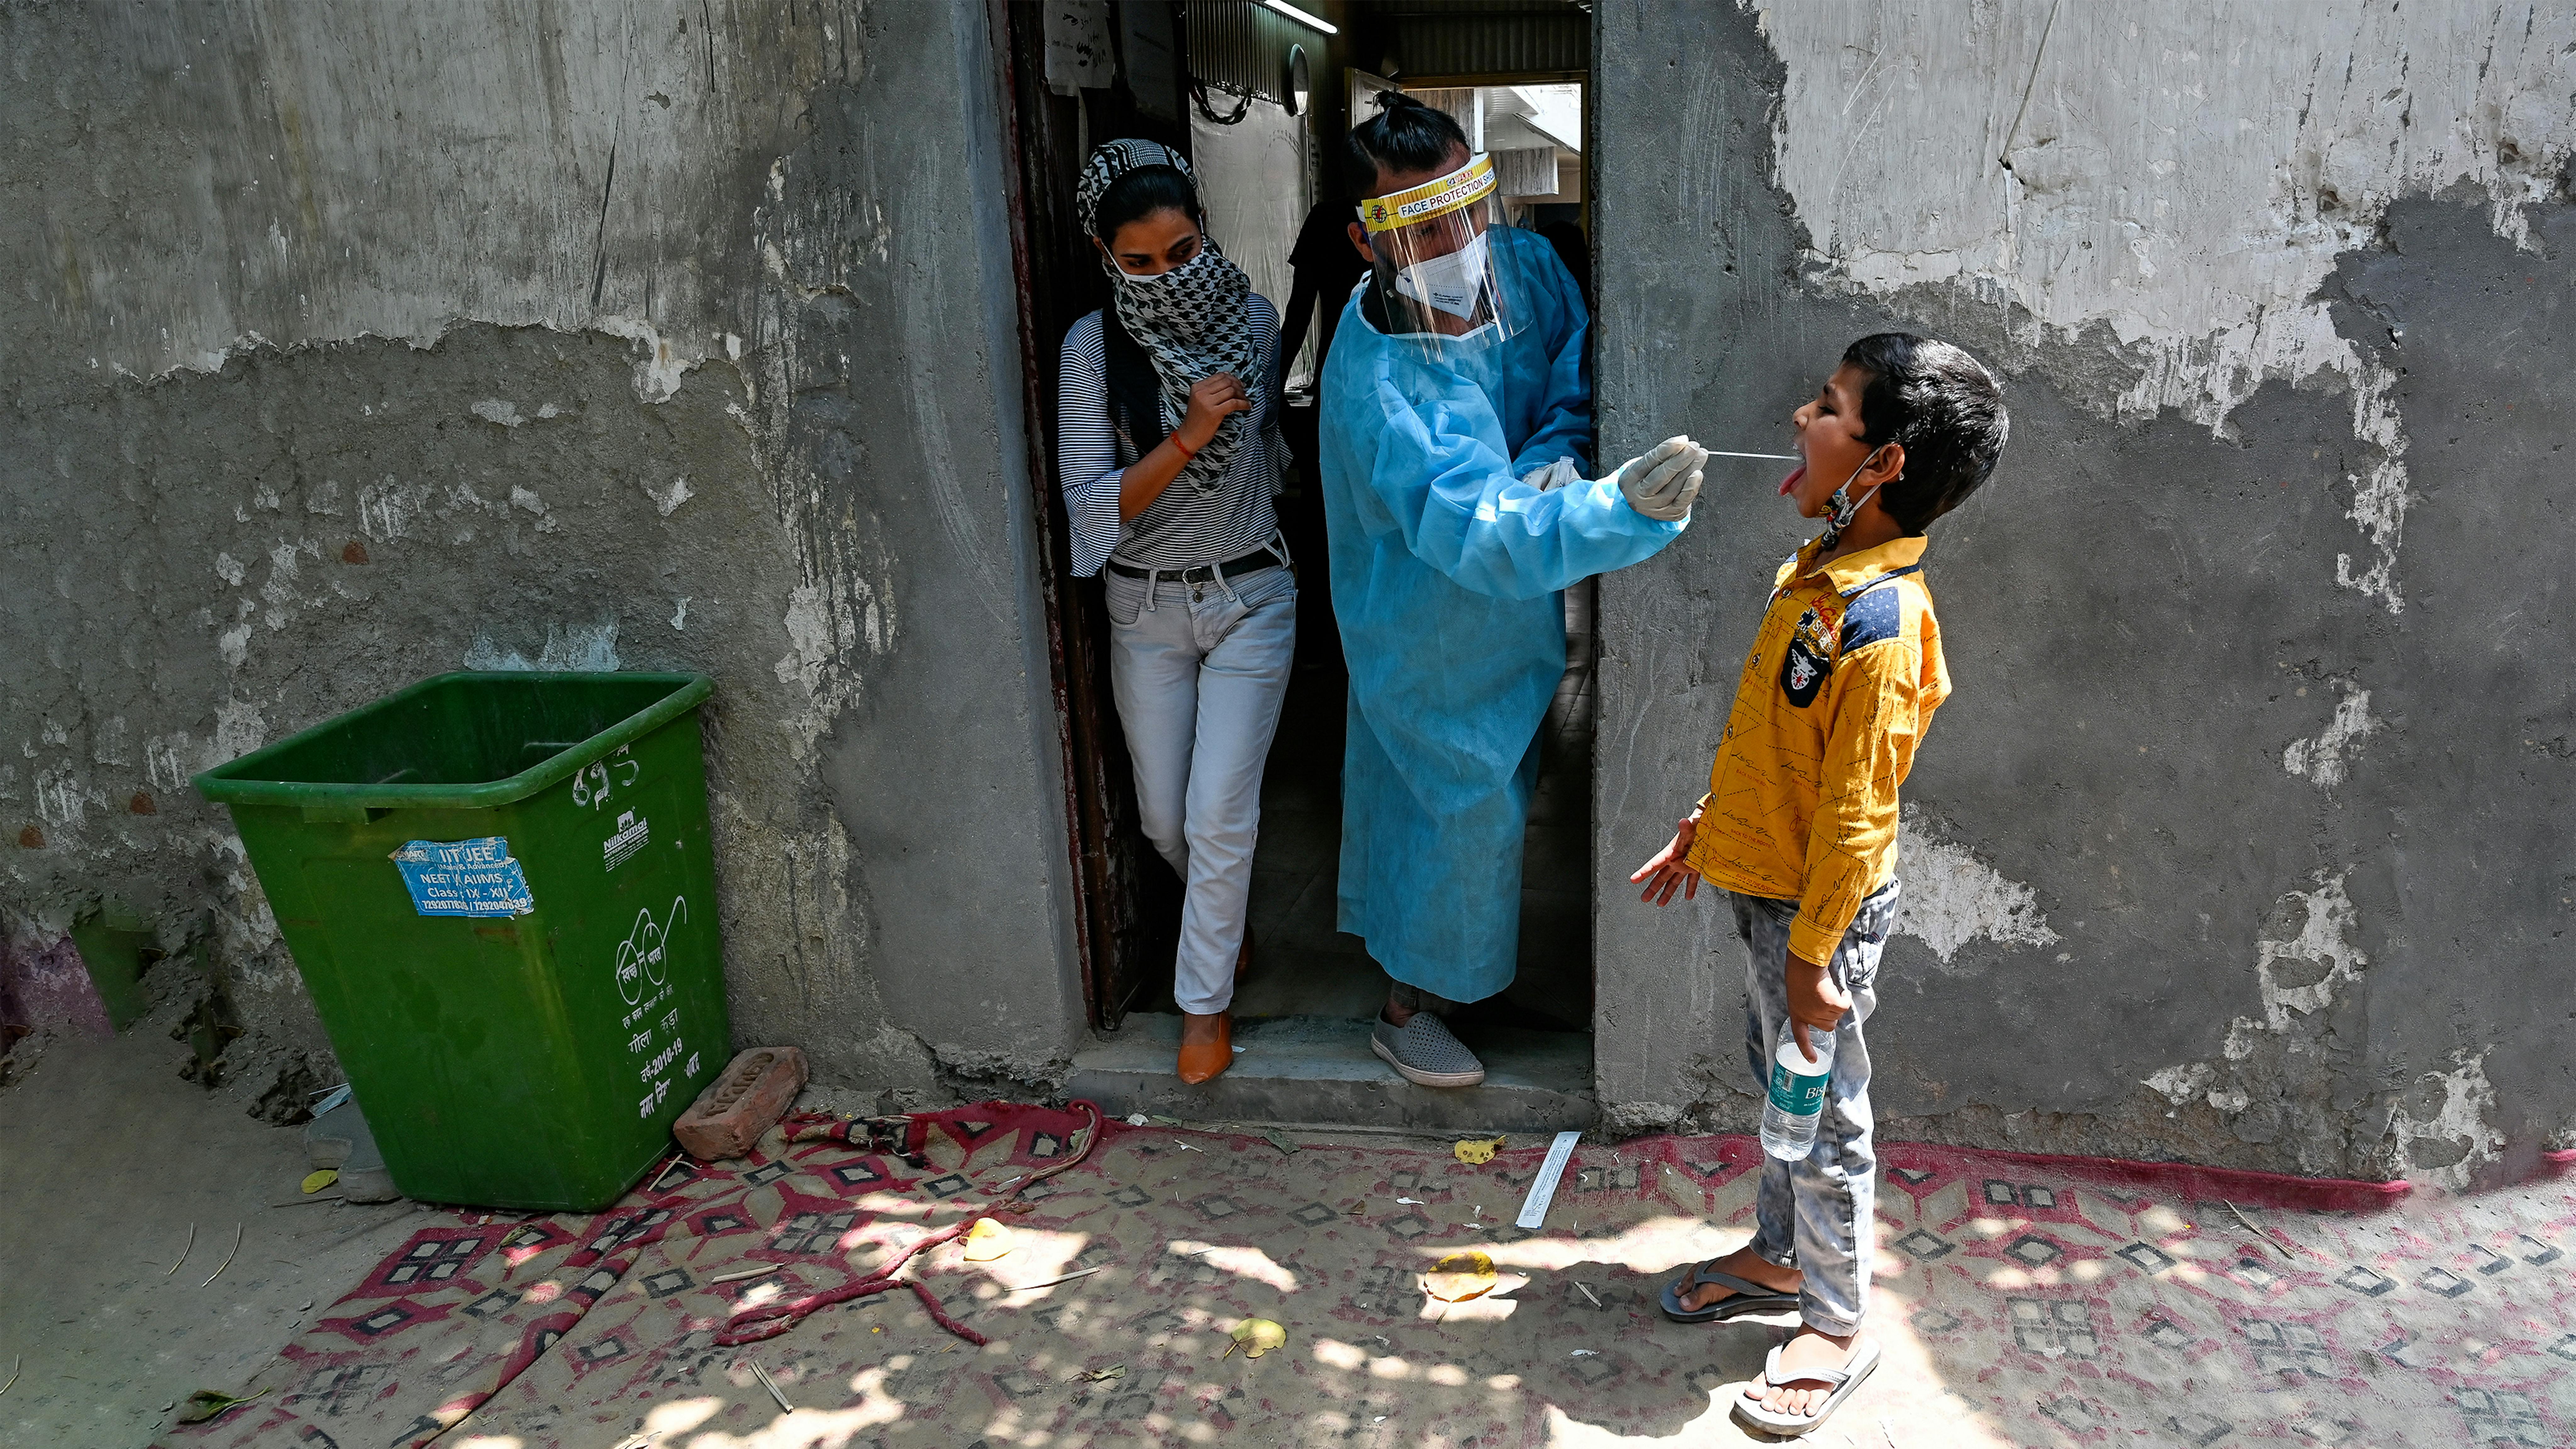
(1126, 910)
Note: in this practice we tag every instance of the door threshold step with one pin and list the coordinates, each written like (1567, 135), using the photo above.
(1308, 1071)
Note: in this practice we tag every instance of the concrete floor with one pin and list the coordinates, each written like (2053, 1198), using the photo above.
(110, 1159)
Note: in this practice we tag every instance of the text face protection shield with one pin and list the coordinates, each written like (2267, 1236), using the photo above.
(1435, 270)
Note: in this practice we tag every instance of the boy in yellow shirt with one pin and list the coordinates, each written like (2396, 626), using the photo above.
(1799, 825)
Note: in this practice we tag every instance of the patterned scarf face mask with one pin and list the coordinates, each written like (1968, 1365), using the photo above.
(1193, 321)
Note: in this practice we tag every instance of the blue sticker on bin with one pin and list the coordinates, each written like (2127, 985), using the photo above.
(464, 878)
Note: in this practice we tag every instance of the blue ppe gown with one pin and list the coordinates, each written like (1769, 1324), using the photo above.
(1447, 572)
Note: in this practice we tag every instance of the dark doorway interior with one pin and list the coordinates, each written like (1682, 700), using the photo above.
(1218, 78)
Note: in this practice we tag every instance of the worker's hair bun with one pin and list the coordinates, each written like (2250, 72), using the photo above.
(1404, 136)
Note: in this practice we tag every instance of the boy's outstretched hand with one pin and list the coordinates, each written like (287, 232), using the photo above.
(1666, 871)
(1816, 1001)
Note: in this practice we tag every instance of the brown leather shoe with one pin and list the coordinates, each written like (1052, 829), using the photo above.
(1201, 1062)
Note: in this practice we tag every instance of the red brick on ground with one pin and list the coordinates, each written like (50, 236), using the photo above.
(747, 1099)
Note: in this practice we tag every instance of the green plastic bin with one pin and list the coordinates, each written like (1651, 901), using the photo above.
(501, 895)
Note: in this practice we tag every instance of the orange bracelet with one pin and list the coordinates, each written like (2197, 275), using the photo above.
(1187, 452)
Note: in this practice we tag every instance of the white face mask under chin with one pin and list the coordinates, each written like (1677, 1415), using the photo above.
(1454, 284)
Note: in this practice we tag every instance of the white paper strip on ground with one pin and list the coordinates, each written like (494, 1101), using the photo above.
(1543, 1187)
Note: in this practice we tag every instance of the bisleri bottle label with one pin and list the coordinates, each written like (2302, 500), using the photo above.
(1796, 1095)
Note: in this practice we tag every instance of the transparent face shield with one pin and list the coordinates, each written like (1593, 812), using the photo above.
(1435, 275)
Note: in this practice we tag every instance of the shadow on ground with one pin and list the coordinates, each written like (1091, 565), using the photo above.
(2021, 1302)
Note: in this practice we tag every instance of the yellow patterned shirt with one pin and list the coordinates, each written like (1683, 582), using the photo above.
(1835, 699)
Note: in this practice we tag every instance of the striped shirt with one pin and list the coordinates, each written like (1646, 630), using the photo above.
(1185, 527)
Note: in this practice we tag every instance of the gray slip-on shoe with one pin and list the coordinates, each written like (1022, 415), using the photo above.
(1424, 1053)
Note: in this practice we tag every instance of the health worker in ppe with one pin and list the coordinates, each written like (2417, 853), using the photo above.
(1456, 466)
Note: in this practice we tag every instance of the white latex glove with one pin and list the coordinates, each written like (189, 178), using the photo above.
(1664, 483)
(1555, 473)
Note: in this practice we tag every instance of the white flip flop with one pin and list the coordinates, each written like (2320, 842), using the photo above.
(1863, 1360)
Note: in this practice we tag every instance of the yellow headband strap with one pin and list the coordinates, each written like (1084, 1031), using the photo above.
(1469, 183)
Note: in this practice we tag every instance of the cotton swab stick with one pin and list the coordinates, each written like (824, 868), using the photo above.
(1775, 457)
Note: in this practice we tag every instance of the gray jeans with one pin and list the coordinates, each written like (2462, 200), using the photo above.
(1814, 1214)
(1199, 671)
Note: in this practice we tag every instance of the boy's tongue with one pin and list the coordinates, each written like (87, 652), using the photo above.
(1792, 480)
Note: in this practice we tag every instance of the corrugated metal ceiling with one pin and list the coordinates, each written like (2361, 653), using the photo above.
(1489, 37)
(1241, 46)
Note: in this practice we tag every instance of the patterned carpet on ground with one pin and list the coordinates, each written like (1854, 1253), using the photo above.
(2022, 1301)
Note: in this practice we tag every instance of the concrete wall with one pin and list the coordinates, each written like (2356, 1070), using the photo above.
(2243, 839)
(347, 343)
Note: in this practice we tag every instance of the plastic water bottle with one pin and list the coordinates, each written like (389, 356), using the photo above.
(1796, 1101)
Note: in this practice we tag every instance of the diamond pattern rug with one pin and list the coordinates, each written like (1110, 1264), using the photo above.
(2021, 1301)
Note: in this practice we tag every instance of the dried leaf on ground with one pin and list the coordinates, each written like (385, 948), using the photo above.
(205, 1404)
(1114, 1371)
(1477, 1151)
(1459, 1277)
(1279, 1139)
(316, 1181)
(1256, 1336)
(987, 1240)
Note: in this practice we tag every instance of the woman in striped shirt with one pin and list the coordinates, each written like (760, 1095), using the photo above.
(1168, 436)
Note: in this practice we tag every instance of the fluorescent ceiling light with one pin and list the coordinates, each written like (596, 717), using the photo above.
(1301, 17)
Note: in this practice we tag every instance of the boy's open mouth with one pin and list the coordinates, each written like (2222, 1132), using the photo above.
(1792, 480)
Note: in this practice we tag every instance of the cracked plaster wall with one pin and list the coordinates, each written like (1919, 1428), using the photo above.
(2242, 840)
(349, 343)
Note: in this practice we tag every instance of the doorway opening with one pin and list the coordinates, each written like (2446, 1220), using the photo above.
(1260, 96)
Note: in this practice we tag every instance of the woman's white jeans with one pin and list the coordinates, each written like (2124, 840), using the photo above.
(1199, 671)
